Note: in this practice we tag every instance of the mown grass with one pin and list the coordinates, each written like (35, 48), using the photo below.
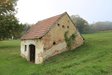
(93, 58)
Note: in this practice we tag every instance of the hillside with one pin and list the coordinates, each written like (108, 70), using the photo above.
(93, 58)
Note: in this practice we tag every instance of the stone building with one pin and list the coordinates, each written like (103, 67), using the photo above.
(47, 38)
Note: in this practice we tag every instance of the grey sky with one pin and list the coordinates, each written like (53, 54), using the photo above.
(30, 11)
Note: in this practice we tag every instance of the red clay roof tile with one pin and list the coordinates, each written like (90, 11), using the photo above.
(41, 28)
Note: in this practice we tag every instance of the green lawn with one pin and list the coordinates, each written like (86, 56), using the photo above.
(93, 58)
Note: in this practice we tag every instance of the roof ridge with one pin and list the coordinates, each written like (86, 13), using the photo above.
(51, 17)
(42, 27)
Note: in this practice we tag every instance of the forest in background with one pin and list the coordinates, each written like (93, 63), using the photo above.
(84, 27)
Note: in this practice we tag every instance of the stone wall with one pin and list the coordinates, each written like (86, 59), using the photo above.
(25, 53)
(38, 50)
(54, 50)
(54, 40)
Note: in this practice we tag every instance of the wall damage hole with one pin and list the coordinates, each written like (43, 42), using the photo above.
(58, 24)
(54, 43)
(45, 48)
(63, 26)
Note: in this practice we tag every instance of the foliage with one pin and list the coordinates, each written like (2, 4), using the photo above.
(69, 40)
(93, 58)
(9, 27)
(7, 7)
(101, 26)
(9, 24)
(26, 28)
(81, 24)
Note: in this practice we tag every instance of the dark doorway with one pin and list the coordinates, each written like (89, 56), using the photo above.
(32, 53)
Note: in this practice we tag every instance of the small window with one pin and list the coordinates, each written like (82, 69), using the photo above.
(25, 47)
(67, 26)
(54, 43)
(63, 26)
(58, 24)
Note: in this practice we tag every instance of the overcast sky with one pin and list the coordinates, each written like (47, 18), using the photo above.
(31, 11)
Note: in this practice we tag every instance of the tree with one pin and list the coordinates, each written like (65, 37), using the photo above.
(25, 28)
(9, 24)
(81, 24)
(102, 26)
(7, 7)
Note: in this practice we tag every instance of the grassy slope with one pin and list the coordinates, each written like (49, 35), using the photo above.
(93, 58)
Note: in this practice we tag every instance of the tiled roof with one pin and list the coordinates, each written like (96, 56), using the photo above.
(41, 28)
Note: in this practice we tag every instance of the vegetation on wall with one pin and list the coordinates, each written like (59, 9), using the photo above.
(69, 40)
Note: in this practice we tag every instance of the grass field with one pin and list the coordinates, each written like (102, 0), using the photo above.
(93, 58)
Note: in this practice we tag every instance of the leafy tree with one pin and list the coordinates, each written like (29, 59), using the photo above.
(102, 26)
(81, 24)
(7, 7)
(25, 28)
(9, 25)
